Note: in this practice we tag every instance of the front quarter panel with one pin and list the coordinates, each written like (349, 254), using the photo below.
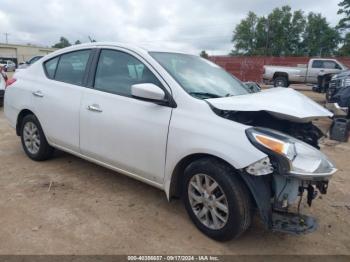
(200, 131)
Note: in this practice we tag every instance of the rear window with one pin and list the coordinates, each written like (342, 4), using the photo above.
(71, 67)
(50, 67)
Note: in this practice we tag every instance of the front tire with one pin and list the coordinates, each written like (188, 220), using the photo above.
(33, 139)
(216, 200)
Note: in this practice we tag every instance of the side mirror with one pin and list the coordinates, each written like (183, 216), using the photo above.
(148, 92)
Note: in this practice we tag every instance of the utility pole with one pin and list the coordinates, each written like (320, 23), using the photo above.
(6, 37)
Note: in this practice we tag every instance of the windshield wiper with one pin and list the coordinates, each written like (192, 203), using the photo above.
(209, 95)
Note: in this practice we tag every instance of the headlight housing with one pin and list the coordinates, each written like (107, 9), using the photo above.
(294, 157)
(347, 82)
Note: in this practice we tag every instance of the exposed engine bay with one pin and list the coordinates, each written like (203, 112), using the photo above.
(306, 132)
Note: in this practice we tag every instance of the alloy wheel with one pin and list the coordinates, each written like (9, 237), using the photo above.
(208, 201)
(31, 137)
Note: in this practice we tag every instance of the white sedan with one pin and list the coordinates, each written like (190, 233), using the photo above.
(180, 123)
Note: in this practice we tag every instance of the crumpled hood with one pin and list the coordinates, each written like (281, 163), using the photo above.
(284, 103)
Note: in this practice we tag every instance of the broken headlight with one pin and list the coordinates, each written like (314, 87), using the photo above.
(294, 157)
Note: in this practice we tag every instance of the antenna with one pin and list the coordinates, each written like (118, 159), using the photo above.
(91, 40)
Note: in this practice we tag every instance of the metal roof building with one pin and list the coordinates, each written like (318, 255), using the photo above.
(22, 53)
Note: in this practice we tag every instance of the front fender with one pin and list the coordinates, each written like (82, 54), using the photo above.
(206, 133)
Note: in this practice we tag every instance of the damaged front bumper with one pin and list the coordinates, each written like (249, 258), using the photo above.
(279, 182)
(278, 198)
(288, 195)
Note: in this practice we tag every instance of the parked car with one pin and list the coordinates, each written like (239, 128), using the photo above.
(8, 66)
(29, 62)
(284, 75)
(253, 87)
(338, 94)
(3, 79)
(180, 123)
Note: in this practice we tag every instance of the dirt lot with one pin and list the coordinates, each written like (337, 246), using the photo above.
(91, 210)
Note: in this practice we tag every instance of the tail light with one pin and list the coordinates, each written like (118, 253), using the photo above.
(10, 82)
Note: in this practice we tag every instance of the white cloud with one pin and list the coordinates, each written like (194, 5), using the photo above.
(187, 25)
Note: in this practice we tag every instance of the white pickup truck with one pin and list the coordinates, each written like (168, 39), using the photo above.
(304, 73)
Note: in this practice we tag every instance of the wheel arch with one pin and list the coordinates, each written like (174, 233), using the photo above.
(21, 115)
(175, 187)
(281, 74)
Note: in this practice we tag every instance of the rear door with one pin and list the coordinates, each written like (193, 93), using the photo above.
(118, 129)
(57, 98)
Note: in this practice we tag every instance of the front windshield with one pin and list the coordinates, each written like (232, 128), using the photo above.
(199, 77)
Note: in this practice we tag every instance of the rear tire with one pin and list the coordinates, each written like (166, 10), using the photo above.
(233, 212)
(281, 81)
(33, 139)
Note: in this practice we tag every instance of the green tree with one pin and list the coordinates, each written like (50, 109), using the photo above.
(204, 54)
(344, 50)
(244, 35)
(344, 27)
(62, 43)
(277, 34)
(295, 37)
(344, 10)
(319, 38)
(284, 31)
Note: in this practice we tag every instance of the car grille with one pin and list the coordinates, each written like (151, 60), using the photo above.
(333, 84)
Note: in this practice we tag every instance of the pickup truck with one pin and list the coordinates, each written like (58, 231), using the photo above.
(283, 76)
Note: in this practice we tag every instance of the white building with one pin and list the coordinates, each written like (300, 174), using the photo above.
(22, 53)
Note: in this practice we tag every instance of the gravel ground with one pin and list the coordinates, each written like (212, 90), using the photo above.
(92, 210)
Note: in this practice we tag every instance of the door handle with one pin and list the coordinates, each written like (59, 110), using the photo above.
(38, 93)
(94, 108)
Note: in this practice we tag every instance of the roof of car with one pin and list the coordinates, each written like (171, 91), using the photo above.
(137, 48)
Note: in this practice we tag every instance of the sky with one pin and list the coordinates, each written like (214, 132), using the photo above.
(183, 25)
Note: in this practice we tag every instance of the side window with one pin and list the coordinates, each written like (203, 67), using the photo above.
(317, 64)
(34, 59)
(71, 67)
(329, 64)
(117, 72)
(50, 67)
